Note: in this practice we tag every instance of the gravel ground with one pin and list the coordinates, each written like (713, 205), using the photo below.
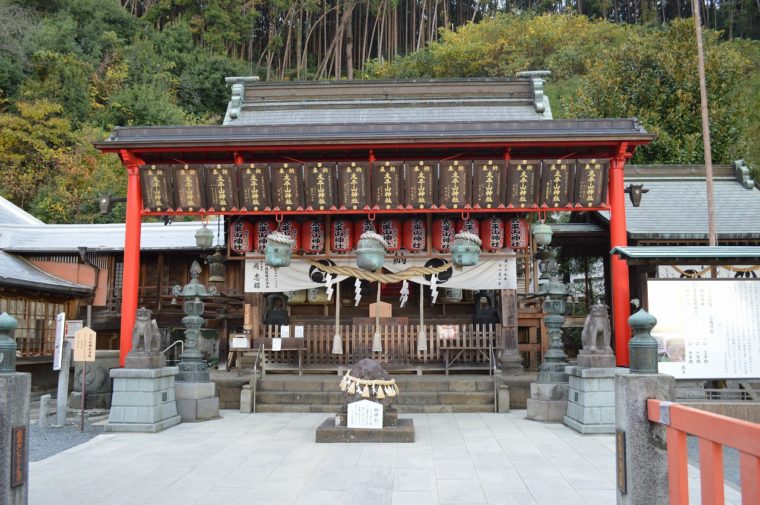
(45, 443)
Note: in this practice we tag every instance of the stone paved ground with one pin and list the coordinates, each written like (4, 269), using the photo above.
(272, 459)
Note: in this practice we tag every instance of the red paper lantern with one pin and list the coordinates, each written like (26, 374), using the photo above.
(518, 233)
(444, 230)
(415, 238)
(293, 230)
(361, 226)
(390, 229)
(492, 233)
(261, 232)
(471, 225)
(241, 237)
(340, 235)
(313, 236)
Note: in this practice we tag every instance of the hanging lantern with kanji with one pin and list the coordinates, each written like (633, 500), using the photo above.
(468, 225)
(361, 226)
(518, 233)
(340, 236)
(313, 236)
(390, 229)
(444, 230)
(262, 229)
(293, 230)
(492, 233)
(415, 238)
(241, 237)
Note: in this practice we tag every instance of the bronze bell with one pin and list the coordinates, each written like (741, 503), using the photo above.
(216, 267)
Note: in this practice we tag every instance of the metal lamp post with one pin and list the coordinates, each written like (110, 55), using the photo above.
(191, 367)
(552, 368)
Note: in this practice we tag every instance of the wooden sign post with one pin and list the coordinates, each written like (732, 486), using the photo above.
(84, 351)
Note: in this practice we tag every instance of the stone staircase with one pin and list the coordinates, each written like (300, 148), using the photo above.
(419, 394)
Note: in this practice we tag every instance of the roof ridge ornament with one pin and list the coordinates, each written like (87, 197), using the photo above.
(742, 174)
(537, 80)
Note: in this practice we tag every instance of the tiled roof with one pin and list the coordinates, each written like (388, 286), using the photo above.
(17, 272)
(11, 214)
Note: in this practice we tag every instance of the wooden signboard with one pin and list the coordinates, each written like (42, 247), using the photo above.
(419, 184)
(489, 184)
(157, 193)
(353, 185)
(84, 345)
(522, 183)
(591, 182)
(557, 183)
(188, 188)
(454, 184)
(254, 187)
(221, 187)
(287, 186)
(320, 187)
(387, 184)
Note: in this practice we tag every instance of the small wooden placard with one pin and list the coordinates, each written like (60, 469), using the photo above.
(454, 184)
(385, 309)
(419, 184)
(522, 183)
(156, 184)
(591, 182)
(254, 187)
(188, 188)
(221, 187)
(287, 186)
(387, 184)
(489, 185)
(18, 456)
(557, 183)
(320, 185)
(353, 185)
(622, 482)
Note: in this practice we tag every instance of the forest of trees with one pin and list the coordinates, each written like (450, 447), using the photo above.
(71, 70)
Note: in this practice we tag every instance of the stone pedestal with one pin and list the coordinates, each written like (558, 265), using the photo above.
(548, 401)
(97, 381)
(15, 390)
(144, 359)
(589, 359)
(143, 400)
(328, 432)
(646, 459)
(591, 399)
(197, 401)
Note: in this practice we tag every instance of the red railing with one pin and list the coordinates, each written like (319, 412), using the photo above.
(713, 431)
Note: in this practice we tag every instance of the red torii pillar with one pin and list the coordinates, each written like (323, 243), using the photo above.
(621, 292)
(131, 272)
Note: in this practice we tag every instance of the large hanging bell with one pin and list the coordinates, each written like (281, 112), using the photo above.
(278, 249)
(370, 251)
(465, 251)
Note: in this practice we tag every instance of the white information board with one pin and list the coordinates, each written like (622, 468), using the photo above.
(277, 344)
(707, 329)
(60, 326)
(365, 414)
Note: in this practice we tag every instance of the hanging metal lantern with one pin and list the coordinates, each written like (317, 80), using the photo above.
(390, 229)
(492, 233)
(465, 252)
(261, 232)
(542, 233)
(313, 236)
(293, 230)
(415, 238)
(241, 237)
(8, 325)
(204, 237)
(340, 236)
(444, 230)
(518, 233)
(370, 252)
(216, 266)
(278, 250)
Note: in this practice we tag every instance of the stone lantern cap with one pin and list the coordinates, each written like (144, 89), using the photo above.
(194, 287)
(642, 320)
(8, 324)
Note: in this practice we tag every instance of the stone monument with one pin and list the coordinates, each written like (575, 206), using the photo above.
(15, 390)
(196, 394)
(591, 397)
(97, 381)
(548, 395)
(367, 413)
(143, 392)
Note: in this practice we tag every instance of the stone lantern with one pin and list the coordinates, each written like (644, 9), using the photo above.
(278, 249)
(370, 251)
(191, 367)
(465, 251)
(8, 325)
(554, 293)
(642, 347)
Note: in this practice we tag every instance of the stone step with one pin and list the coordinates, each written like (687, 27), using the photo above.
(336, 399)
(402, 409)
(406, 385)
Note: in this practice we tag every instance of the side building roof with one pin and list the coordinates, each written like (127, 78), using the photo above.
(19, 273)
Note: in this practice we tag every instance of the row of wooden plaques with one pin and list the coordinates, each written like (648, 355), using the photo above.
(317, 186)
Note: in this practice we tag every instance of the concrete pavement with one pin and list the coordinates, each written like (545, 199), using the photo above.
(457, 459)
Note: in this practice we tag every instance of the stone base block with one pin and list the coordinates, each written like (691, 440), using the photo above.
(203, 409)
(327, 432)
(193, 371)
(15, 392)
(591, 399)
(502, 398)
(144, 360)
(548, 390)
(92, 401)
(143, 400)
(195, 390)
(591, 360)
(589, 429)
(548, 411)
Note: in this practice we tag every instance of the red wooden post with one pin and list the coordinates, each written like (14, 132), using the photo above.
(619, 268)
(678, 475)
(131, 274)
(711, 472)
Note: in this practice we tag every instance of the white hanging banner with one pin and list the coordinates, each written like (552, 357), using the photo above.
(300, 274)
